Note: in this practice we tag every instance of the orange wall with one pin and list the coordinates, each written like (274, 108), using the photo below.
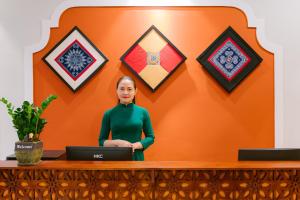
(192, 116)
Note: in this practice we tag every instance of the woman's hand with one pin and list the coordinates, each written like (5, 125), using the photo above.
(123, 143)
(137, 145)
(117, 143)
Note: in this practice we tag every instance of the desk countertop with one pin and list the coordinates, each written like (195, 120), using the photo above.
(121, 165)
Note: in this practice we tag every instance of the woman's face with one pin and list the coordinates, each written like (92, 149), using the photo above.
(126, 91)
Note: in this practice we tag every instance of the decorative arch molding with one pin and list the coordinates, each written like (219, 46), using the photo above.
(253, 22)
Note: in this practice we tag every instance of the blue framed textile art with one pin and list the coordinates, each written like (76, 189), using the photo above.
(229, 59)
(75, 59)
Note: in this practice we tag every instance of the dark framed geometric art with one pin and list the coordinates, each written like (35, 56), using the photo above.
(153, 58)
(229, 59)
(75, 59)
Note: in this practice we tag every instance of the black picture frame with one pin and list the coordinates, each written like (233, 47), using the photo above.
(123, 60)
(54, 65)
(254, 61)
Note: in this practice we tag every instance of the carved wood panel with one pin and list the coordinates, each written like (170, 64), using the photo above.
(135, 185)
(211, 184)
(174, 184)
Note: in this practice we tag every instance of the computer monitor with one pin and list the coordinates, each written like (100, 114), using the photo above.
(261, 154)
(98, 153)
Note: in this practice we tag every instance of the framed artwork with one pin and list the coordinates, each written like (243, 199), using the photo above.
(229, 59)
(75, 59)
(153, 58)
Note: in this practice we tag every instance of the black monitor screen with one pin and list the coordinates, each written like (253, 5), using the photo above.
(98, 153)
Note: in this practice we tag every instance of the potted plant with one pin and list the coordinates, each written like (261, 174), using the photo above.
(29, 124)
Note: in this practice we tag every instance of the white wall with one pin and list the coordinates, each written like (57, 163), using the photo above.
(282, 20)
(20, 26)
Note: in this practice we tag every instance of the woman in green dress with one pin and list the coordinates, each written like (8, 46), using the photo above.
(126, 121)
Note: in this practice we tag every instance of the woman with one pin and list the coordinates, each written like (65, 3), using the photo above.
(127, 121)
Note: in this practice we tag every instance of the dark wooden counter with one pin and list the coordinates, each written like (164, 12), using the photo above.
(150, 180)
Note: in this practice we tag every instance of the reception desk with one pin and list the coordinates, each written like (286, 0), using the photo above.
(150, 180)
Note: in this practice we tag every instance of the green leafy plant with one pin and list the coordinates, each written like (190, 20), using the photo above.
(27, 118)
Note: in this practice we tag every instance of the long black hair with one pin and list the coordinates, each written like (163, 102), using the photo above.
(130, 79)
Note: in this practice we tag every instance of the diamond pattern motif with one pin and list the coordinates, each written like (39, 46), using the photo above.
(75, 59)
(153, 58)
(229, 59)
